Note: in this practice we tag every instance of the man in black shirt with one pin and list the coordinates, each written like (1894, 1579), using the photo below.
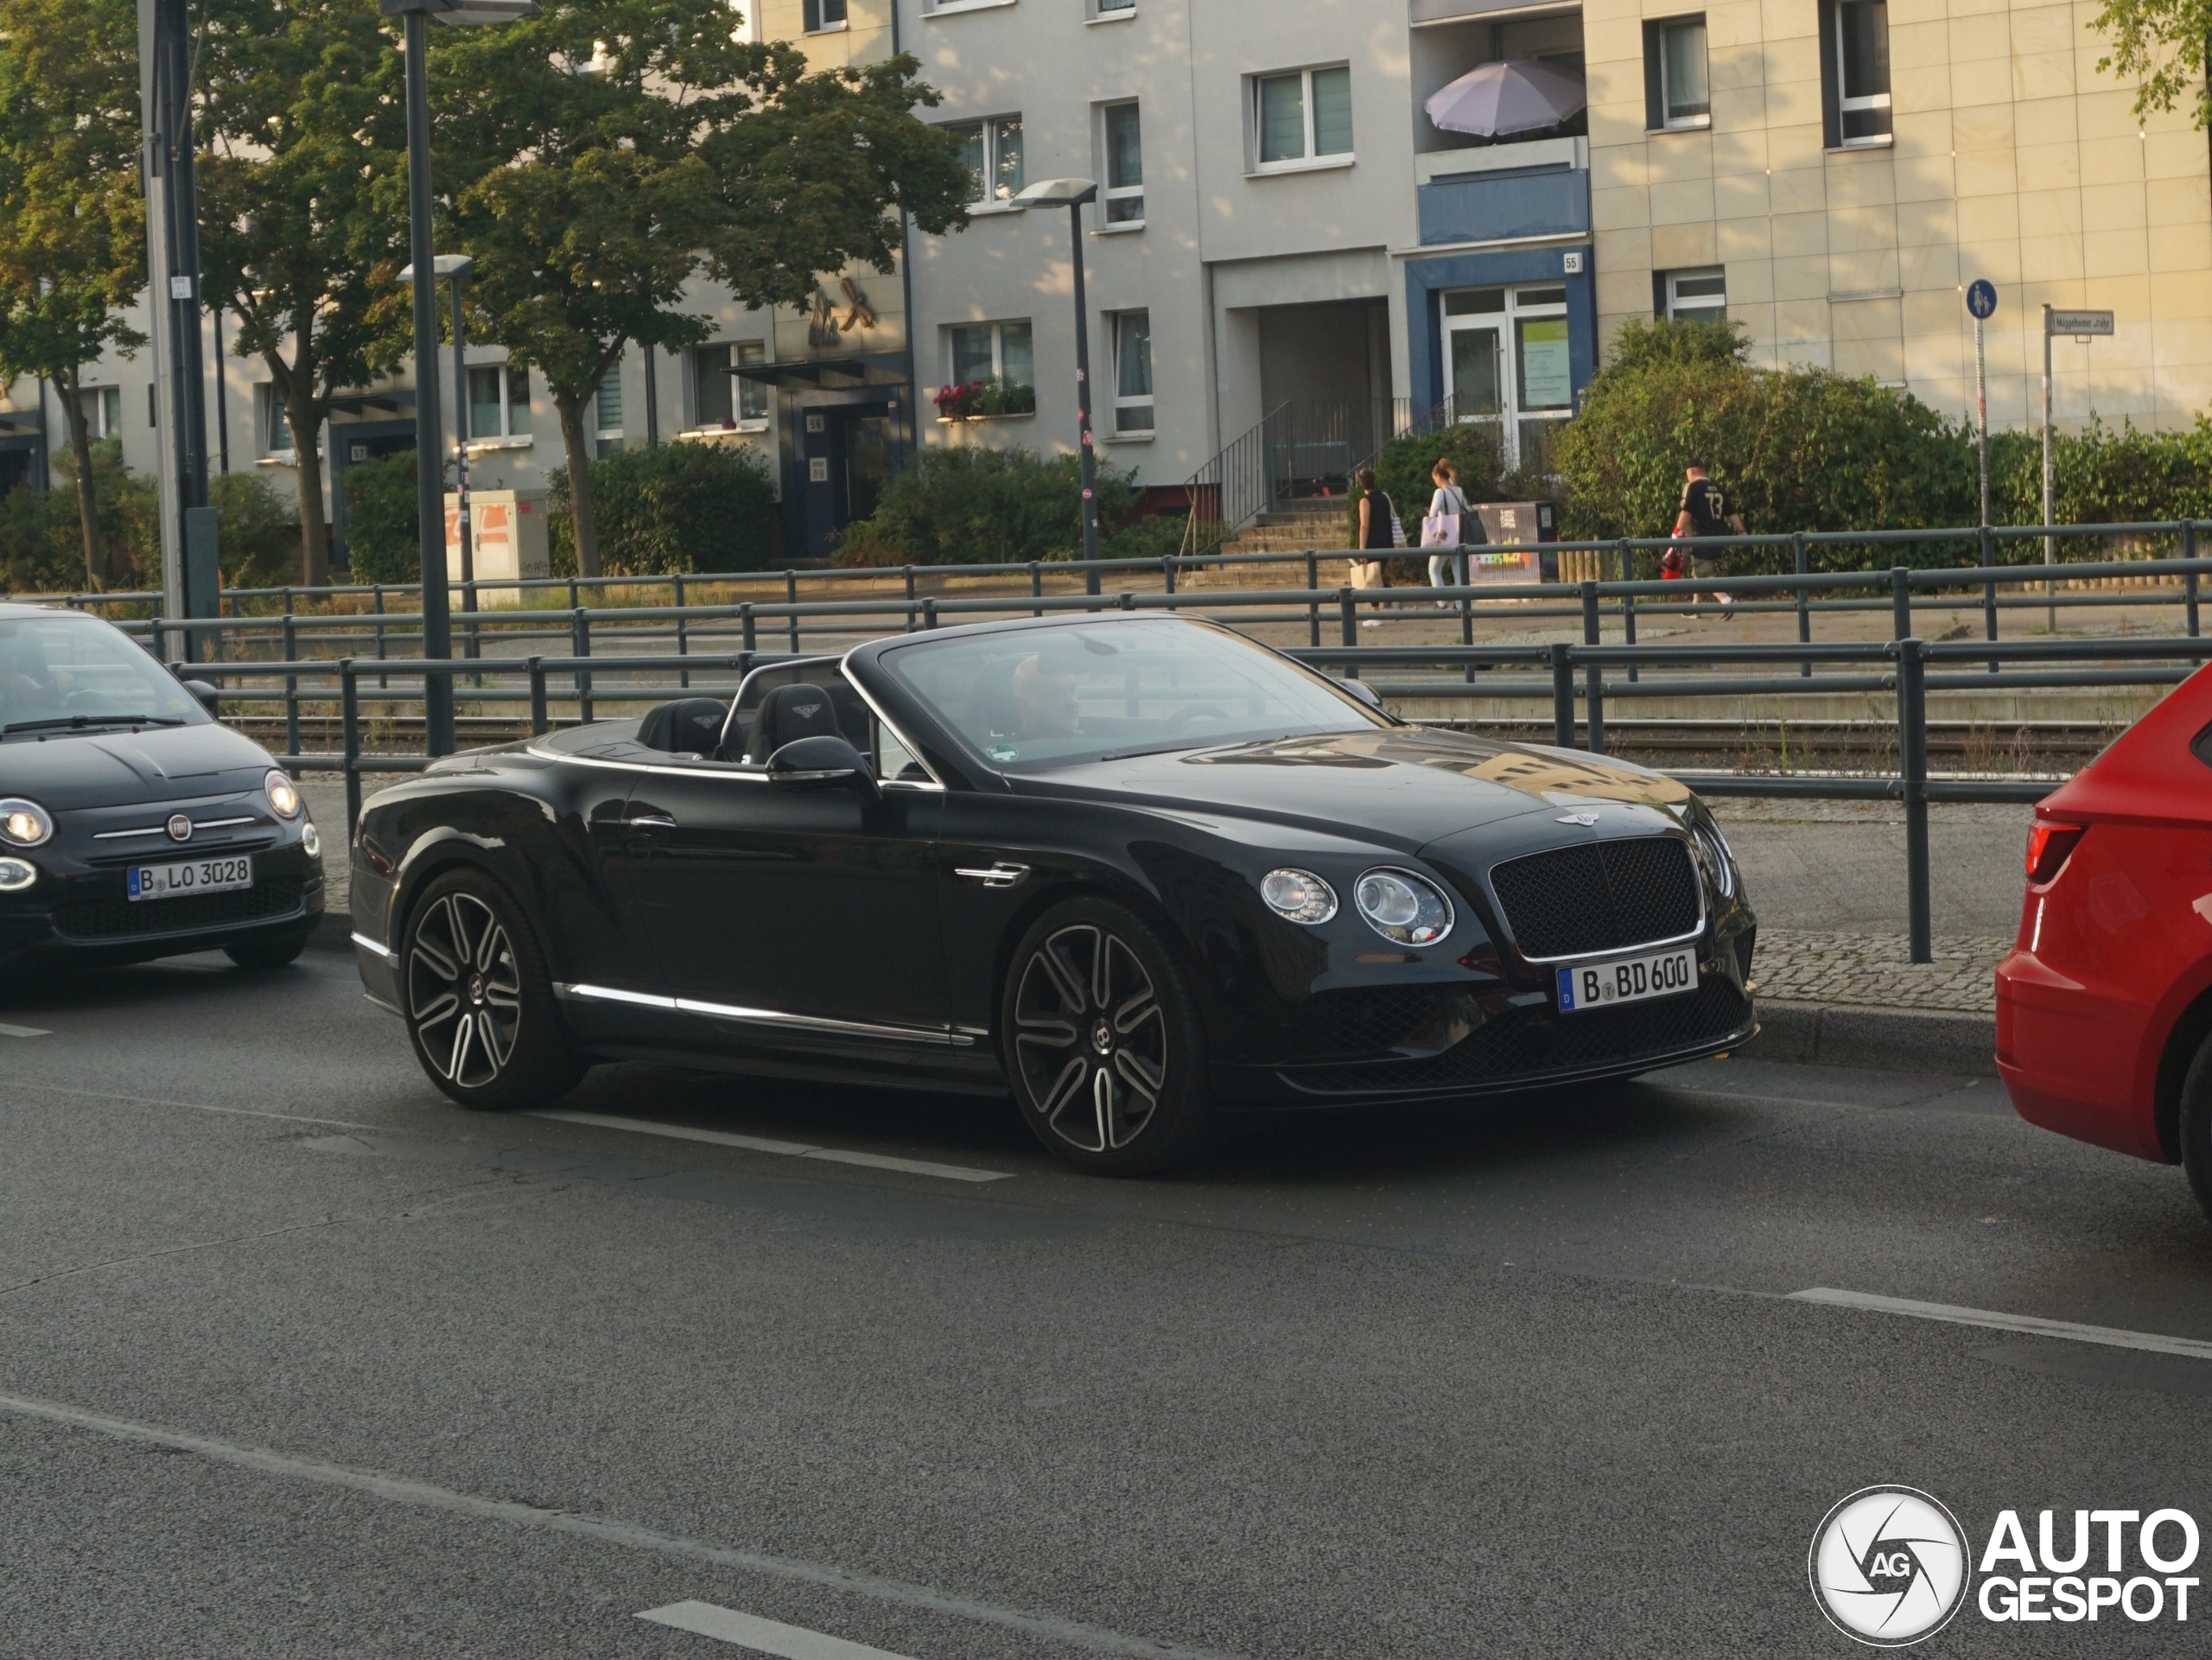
(1705, 511)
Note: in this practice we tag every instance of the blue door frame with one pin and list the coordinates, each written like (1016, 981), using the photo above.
(1427, 279)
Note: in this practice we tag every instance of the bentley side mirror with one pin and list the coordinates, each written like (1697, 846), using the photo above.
(1361, 690)
(207, 696)
(822, 763)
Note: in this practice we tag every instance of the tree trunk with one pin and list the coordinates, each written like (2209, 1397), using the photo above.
(80, 448)
(307, 448)
(578, 443)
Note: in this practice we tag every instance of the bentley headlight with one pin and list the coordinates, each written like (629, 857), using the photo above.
(1299, 896)
(16, 875)
(284, 794)
(1401, 906)
(311, 839)
(1718, 859)
(24, 823)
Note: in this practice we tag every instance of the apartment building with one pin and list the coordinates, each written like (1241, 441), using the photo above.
(1282, 221)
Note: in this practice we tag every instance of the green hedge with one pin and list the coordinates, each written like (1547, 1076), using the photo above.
(1806, 449)
(383, 519)
(42, 547)
(962, 506)
(670, 509)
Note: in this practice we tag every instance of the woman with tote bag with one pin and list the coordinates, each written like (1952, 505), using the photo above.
(1447, 510)
(1379, 532)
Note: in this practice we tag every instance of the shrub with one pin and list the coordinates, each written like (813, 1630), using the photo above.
(42, 547)
(957, 507)
(1795, 448)
(256, 531)
(383, 539)
(673, 508)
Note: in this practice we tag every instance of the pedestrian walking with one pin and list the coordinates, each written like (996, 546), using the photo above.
(1705, 511)
(1379, 533)
(1444, 527)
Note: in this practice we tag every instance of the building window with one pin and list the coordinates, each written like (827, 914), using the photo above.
(1855, 71)
(1699, 296)
(1112, 8)
(1132, 372)
(993, 370)
(276, 425)
(1125, 169)
(822, 14)
(720, 397)
(1675, 94)
(498, 402)
(992, 150)
(1301, 117)
(752, 395)
(103, 410)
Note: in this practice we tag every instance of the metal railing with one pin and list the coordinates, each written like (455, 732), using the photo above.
(1588, 673)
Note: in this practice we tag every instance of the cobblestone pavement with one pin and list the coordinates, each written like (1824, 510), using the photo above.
(1877, 970)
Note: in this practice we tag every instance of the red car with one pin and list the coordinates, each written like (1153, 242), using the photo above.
(2104, 1007)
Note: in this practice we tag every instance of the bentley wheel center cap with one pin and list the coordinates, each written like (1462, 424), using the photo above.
(1102, 1035)
(476, 989)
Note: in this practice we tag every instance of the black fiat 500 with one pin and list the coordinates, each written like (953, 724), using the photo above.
(1130, 869)
(133, 824)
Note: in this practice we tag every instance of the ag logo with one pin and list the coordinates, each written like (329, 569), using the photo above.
(1888, 1567)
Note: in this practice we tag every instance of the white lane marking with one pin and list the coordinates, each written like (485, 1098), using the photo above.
(2034, 1326)
(630, 1536)
(24, 1032)
(767, 1636)
(762, 1144)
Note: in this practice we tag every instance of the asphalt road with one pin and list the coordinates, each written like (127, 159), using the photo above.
(297, 1360)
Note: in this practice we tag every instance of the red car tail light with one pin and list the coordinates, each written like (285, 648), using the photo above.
(2049, 848)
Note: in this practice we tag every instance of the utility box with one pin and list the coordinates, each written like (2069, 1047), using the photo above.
(507, 540)
(1511, 522)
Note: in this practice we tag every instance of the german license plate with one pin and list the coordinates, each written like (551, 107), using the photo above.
(194, 876)
(1631, 980)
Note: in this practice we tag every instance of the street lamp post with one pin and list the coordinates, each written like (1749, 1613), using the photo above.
(1075, 193)
(430, 461)
(453, 268)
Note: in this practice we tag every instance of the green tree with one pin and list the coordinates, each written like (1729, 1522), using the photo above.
(73, 240)
(2160, 45)
(301, 181)
(606, 152)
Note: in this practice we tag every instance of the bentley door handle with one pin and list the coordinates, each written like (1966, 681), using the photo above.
(998, 875)
(652, 821)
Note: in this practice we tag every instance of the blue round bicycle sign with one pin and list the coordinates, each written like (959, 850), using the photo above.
(1981, 297)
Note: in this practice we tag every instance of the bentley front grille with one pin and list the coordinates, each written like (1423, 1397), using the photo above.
(1599, 896)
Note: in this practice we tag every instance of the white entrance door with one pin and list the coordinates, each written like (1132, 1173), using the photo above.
(1507, 365)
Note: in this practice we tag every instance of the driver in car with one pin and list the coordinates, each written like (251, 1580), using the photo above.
(1044, 704)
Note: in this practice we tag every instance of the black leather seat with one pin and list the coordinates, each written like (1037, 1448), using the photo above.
(791, 712)
(690, 726)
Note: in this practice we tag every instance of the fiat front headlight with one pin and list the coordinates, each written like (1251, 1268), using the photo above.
(24, 823)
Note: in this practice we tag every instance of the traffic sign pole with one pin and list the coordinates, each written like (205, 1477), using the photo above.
(2049, 542)
(1981, 301)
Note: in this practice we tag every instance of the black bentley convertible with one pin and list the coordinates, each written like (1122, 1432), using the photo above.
(133, 824)
(1132, 868)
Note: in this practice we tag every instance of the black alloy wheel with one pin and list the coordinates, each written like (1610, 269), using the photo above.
(2196, 1126)
(479, 1004)
(1102, 1042)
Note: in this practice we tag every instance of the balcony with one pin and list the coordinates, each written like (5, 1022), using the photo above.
(1504, 194)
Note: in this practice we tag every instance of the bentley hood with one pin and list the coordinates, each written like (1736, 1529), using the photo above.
(1406, 785)
(70, 770)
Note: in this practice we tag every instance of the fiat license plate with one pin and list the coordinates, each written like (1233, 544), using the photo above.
(196, 876)
(1631, 980)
